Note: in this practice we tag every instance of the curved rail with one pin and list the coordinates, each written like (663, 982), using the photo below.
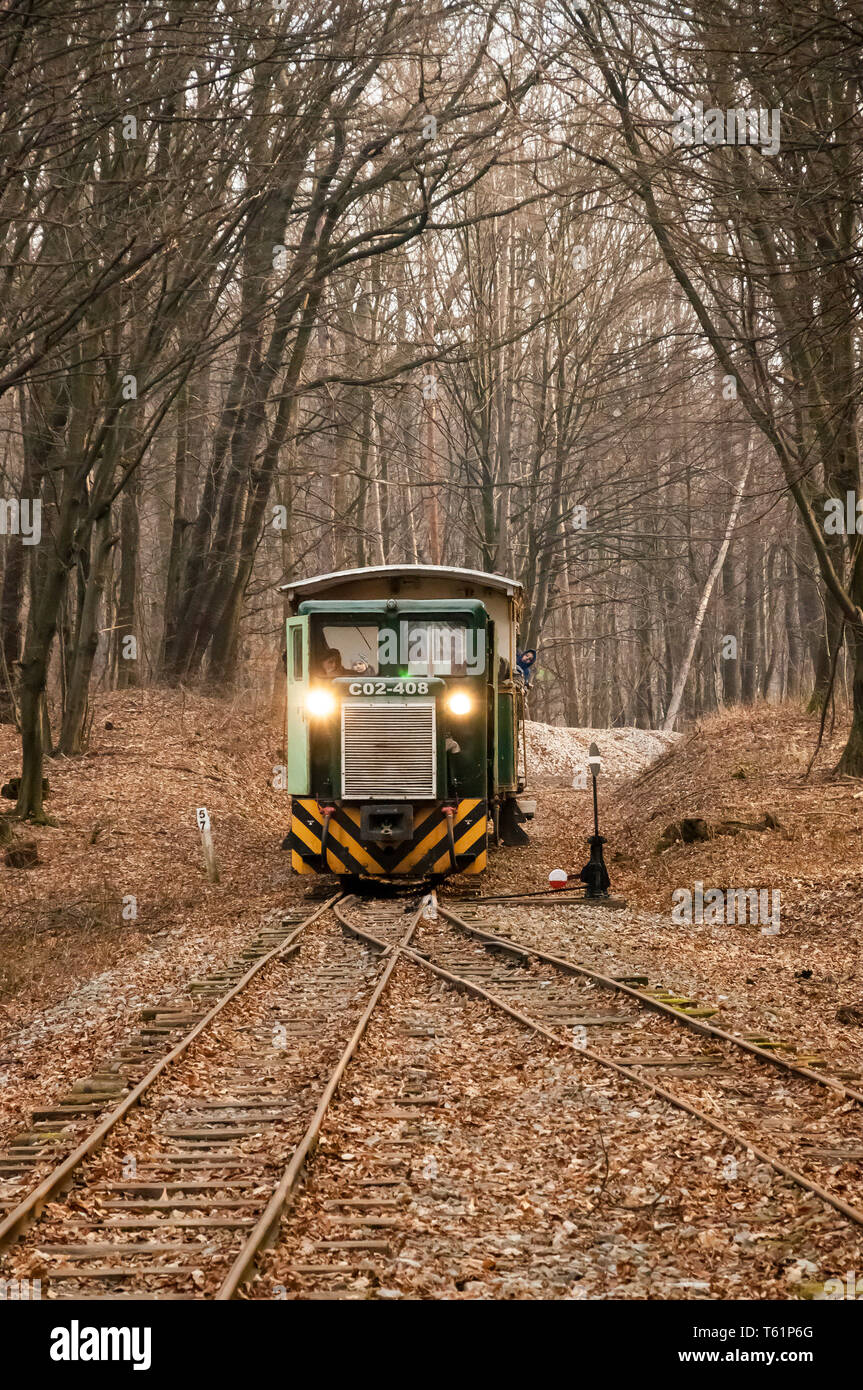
(403, 944)
(30, 1208)
(852, 1213)
(417, 956)
(762, 1054)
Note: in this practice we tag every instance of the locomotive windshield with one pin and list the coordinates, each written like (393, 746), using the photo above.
(355, 647)
(437, 649)
(412, 647)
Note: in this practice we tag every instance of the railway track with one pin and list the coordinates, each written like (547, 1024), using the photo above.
(807, 1126)
(95, 1102)
(181, 1189)
(405, 1196)
(175, 1189)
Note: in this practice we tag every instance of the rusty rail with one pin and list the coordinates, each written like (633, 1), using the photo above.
(30, 1208)
(831, 1083)
(852, 1213)
(266, 1226)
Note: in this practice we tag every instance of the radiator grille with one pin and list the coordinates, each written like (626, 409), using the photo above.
(388, 749)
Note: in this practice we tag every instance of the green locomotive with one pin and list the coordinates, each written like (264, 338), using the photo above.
(404, 721)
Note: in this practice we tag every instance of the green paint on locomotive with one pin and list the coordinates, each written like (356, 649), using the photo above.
(507, 742)
(462, 763)
(397, 755)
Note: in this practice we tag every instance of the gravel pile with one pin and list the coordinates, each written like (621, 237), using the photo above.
(558, 753)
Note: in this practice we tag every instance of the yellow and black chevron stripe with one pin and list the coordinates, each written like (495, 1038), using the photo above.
(427, 852)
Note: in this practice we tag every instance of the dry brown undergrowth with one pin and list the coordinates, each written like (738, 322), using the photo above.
(125, 815)
(126, 827)
(739, 765)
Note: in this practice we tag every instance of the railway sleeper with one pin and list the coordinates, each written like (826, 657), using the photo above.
(180, 1204)
(192, 1223)
(126, 1248)
(71, 1272)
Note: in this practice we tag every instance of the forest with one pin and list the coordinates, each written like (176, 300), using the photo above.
(563, 289)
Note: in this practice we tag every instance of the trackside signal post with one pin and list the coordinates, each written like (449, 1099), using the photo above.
(594, 875)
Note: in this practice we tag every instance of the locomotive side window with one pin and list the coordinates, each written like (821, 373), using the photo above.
(357, 648)
(297, 654)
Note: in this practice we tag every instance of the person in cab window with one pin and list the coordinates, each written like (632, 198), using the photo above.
(331, 666)
(360, 667)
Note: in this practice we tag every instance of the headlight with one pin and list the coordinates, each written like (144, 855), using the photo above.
(459, 702)
(320, 703)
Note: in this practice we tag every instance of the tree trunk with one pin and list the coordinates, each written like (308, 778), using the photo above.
(851, 762)
(680, 682)
(829, 637)
(10, 626)
(750, 628)
(41, 628)
(72, 733)
(128, 672)
(794, 679)
(226, 607)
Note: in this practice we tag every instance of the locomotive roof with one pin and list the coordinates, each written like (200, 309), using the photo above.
(319, 583)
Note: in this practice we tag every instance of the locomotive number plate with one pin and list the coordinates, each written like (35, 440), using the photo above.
(388, 688)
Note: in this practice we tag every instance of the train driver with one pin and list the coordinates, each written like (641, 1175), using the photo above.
(331, 665)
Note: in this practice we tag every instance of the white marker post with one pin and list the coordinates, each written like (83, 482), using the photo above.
(202, 816)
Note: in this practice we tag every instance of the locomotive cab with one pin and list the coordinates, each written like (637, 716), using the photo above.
(401, 719)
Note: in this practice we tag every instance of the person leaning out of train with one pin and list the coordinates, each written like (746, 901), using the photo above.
(525, 662)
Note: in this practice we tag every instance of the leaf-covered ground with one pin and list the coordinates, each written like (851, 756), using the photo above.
(74, 971)
(803, 985)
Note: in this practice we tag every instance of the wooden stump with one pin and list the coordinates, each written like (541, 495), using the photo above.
(22, 854)
(12, 788)
(691, 829)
